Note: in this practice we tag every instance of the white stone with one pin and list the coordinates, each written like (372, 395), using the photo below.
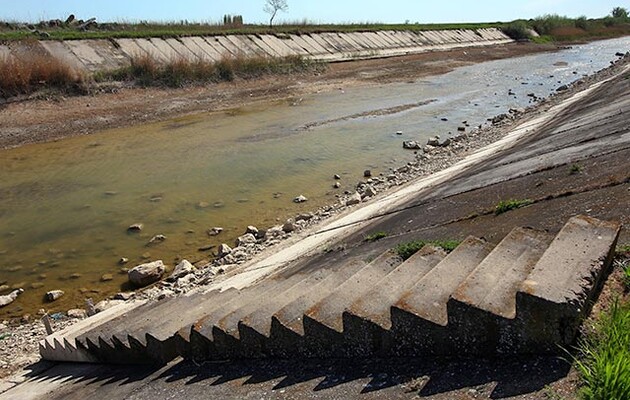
(146, 274)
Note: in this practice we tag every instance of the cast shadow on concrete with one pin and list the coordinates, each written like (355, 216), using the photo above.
(508, 377)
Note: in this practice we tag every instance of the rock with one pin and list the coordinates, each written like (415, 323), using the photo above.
(123, 261)
(304, 217)
(337, 177)
(411, 145)
(146, 274)
(337, 185)
(135, 227)
(300, 199)
(124, 296)
(215, 231)
(107, 278)
(157, 239)
(253, 230)
(106, 304)
(246, 239)
(562, 88)
(288, 226)
(70, 19)
(445, 119)
(182, 269)
(10, 298)
(399, 133)
(620, 54)
(434, 141)
(207, 247)
(499, 118)
(203, 204)
(445, 143)
(274, 232)
(224, 250)
(54, 295)
(367, 173)
(77, 313)
(353, 199)
(368, 192)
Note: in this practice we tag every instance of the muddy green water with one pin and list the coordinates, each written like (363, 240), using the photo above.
(65, 206)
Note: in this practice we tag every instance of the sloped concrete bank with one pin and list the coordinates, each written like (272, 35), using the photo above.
(104, 54)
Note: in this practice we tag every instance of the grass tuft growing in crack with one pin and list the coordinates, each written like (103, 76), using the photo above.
(506, 205)
(408, 249)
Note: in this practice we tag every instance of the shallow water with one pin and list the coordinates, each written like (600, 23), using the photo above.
(65, 206)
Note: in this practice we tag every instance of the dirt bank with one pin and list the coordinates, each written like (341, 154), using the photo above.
(56, 117)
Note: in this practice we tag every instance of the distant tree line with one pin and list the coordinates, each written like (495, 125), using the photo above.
(233, 20)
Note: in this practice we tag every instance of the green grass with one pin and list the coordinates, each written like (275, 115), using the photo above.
(507, 205)
(408, 249)
(373, 237)
(178, 29)
(604, 357)
(575, 169)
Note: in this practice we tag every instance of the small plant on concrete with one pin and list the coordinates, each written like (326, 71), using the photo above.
(408, 249)
(373, 237)
(575, 169)
(604, 354)
(507, 205)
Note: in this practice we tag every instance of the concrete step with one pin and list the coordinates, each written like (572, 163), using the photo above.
(366, 320)
(419, 318)
(256, 328)
(202, 330)
(559, 292)
(226, 331)
(487, 298)
(63, 346)
(323, 322)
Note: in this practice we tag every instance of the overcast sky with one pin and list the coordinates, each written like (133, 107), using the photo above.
(333, 11)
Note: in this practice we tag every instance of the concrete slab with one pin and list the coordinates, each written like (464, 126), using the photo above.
(278, 45)
(492, 286)
(86, 53)
(193, 44)
(293, 46)
(62, 52)
(166, 49)
(269, 51)
(324, 43)
(246, 45)
(214, 44)
(307, 46)
(148, 47)
(322, 47)
(182, 50)
(130, 48)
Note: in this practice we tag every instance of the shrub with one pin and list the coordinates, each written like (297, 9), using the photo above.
(32, 71)
(517, 30)
(582, 23)
(146, 71)
(545, 24)
(507, 205)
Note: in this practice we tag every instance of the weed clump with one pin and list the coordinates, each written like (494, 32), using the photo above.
(373, 237)
(604, 354)
(147, 71)
(33, 71)
(506, 205)
(408, 249)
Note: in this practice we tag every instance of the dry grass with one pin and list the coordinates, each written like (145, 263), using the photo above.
(145, 70)
(31, 72)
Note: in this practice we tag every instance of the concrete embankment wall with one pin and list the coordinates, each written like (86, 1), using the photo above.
(103, 54)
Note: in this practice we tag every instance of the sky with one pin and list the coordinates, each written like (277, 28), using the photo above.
(323, 11)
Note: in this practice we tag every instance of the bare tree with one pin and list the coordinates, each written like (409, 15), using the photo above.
(273, 6)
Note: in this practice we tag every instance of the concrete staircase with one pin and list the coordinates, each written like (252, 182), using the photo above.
(528, 294)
